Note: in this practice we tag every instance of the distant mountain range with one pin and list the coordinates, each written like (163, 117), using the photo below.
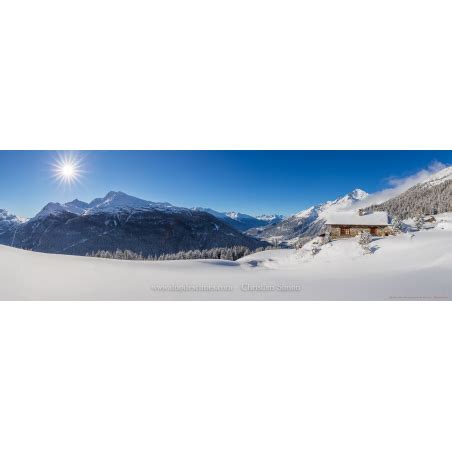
(241, 221)
(308, 222)
(112, 202)
(120, 221)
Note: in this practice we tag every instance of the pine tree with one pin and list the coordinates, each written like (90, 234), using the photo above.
(397, 224)
(419, 221)
(232, 253)
(429, 200)
(365, 239)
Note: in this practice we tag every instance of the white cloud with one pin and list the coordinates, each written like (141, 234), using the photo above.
(398, 185)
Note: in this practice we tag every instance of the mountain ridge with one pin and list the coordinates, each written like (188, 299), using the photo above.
(147, 231)
(113, 201)
(242, 221)
(118, 209)
(118, 201)
(307, 222)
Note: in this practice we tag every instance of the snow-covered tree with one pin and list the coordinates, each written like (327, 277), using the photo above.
(275, 242)
(430, 200)
(364, 240)
(397, 224)
(327, 237)
(231, 253)
(301, 242)
(419, 221)
(315, 248)
(226, 254)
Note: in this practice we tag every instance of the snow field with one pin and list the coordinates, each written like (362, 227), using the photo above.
(411, 265)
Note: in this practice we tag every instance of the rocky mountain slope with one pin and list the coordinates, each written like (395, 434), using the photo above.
(125, 222)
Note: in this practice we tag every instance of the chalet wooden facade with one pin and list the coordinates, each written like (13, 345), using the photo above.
(346, 225)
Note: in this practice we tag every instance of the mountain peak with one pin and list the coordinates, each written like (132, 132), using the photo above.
(112, 202)
(114, 193)
(345, 201)
(77, 202)
(358, 194)
(115, 201)
(270, 217)
(51, 208)
(237, 216)
(76, 206)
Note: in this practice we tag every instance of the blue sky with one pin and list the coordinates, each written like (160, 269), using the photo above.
(253, 182)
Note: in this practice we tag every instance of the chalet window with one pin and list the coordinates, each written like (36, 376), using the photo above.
(345, 231)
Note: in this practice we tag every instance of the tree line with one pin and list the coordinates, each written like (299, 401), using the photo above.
(419, 200)
(230, 254)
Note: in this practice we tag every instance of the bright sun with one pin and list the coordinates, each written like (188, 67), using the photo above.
(67, 169)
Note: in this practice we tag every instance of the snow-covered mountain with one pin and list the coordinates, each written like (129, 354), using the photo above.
(432, 196)
(9, 223)
(242, 221)
(440, 177)
(116, 201)
(112, 202)
(308, 222)
(121, 221)
(272, 218)
(76, 206)
(52, 208)
(9, 218)
(237, 216)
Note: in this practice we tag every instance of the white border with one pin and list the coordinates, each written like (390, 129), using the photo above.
(222, 376)
(243, 74)
(246, 376)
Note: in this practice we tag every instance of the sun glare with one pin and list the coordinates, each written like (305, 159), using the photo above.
(67, 169)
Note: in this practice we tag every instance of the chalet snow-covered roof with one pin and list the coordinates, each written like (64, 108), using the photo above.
(353, 219)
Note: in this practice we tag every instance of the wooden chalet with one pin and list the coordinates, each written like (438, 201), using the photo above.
(346, 224)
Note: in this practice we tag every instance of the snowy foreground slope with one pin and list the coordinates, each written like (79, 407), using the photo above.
(403, 266)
